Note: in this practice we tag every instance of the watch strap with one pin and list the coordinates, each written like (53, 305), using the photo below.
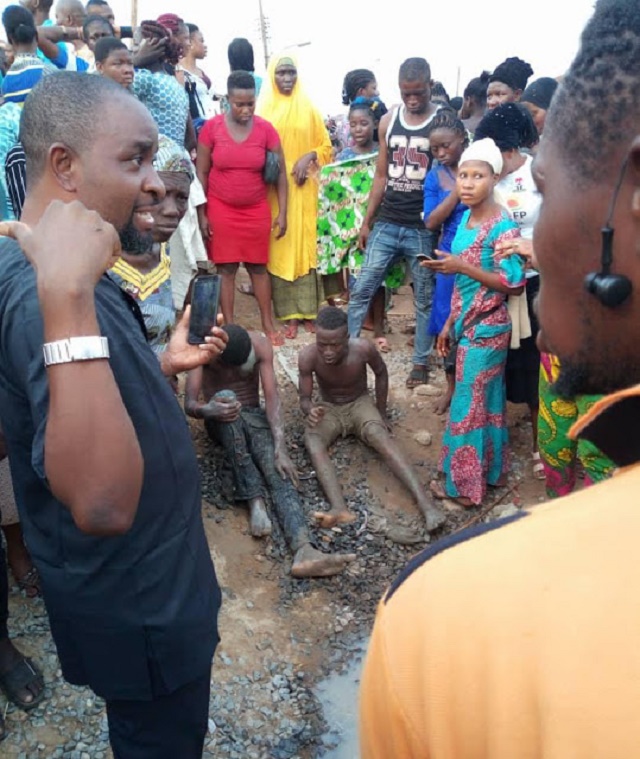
(87, 348)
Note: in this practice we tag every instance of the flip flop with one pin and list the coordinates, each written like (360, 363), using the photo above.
(24, 673)
(437, 491)
(309, 326)
(382, 344)
(419, 375)
(291, 331)
(245, 289)
(538, 466)
(30, 583)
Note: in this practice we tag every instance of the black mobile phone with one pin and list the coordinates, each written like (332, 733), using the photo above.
(425, 257)
(205, 298)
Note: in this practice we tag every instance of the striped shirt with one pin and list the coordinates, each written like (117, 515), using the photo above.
(25, 72)
(15, 169)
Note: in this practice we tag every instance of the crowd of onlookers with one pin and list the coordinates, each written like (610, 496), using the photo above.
(436, 192)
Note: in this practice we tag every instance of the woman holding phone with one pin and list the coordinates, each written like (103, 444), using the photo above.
(474, 447)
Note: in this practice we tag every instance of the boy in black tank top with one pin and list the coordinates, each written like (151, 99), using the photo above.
(397, 193)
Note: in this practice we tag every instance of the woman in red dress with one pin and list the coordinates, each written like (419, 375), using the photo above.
(237, 223)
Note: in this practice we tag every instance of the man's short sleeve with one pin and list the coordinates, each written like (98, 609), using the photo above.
(61, 61)
(25, 388)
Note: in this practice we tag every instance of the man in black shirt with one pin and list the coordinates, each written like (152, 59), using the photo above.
(104, 470)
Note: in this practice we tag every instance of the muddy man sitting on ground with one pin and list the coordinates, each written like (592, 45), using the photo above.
(340, 366)
(254, 444)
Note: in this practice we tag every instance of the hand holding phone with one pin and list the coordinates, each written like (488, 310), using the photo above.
(205, 298)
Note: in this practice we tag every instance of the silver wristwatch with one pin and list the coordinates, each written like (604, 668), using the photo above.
(75, 349)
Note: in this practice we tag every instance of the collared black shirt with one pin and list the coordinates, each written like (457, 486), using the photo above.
(132, 616)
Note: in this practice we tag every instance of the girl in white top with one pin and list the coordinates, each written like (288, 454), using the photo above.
(194, 77)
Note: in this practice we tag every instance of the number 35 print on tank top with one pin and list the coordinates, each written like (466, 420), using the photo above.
(408, 164)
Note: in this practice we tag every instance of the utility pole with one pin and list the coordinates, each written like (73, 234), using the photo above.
(134, 13)
(264, 34)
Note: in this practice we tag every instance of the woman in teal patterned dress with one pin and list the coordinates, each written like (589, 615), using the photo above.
(342, 204)
(474, 449)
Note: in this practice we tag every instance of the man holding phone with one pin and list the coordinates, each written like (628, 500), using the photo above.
(105, 475)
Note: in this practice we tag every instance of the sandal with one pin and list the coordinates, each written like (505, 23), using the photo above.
(30, 583)
(419, 375)
(538, 466)
(382, 344)
(309, 326)
(24, 673)
(291, 330)
(438, 492)
(245, 289)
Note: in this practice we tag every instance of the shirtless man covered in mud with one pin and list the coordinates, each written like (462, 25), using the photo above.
(340, 366)
(254, 444)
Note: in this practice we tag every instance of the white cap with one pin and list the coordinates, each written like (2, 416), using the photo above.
(483, 150)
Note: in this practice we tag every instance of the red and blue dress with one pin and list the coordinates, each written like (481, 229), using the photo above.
(474, 448)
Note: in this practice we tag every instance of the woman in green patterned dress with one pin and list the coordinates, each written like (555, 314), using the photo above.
(342, 204)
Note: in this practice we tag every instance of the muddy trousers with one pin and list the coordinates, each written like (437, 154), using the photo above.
(171, 726)
(249, 451)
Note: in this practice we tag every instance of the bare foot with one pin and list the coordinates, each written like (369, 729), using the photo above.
(441, 406)
(382, 344)
(308, 562)
(332, 518)
(260, 522)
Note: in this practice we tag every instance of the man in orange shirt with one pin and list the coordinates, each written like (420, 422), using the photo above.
(519, 639)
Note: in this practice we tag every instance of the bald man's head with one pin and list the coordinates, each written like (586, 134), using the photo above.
(70, 13)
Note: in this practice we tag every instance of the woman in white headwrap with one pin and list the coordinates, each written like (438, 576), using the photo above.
(474, 452)
(146, 274)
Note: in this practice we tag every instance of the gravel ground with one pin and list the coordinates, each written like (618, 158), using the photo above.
(280, 636)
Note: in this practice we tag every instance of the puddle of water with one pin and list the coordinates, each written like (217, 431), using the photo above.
(338, 695)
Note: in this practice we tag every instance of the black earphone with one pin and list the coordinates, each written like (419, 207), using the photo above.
(612, 290)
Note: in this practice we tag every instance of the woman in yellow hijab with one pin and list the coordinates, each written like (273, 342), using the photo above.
(306, 144)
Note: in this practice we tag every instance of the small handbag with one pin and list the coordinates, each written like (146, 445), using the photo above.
(271, 170)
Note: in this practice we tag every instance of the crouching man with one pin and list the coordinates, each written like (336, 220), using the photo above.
(254, 445)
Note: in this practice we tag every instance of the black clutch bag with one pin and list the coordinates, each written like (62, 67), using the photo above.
(271, 170)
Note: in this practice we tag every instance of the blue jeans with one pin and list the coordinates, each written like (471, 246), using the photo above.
(387, 243)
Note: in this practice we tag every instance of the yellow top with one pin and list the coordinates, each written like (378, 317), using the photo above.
(301, 131)
(521, 642)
